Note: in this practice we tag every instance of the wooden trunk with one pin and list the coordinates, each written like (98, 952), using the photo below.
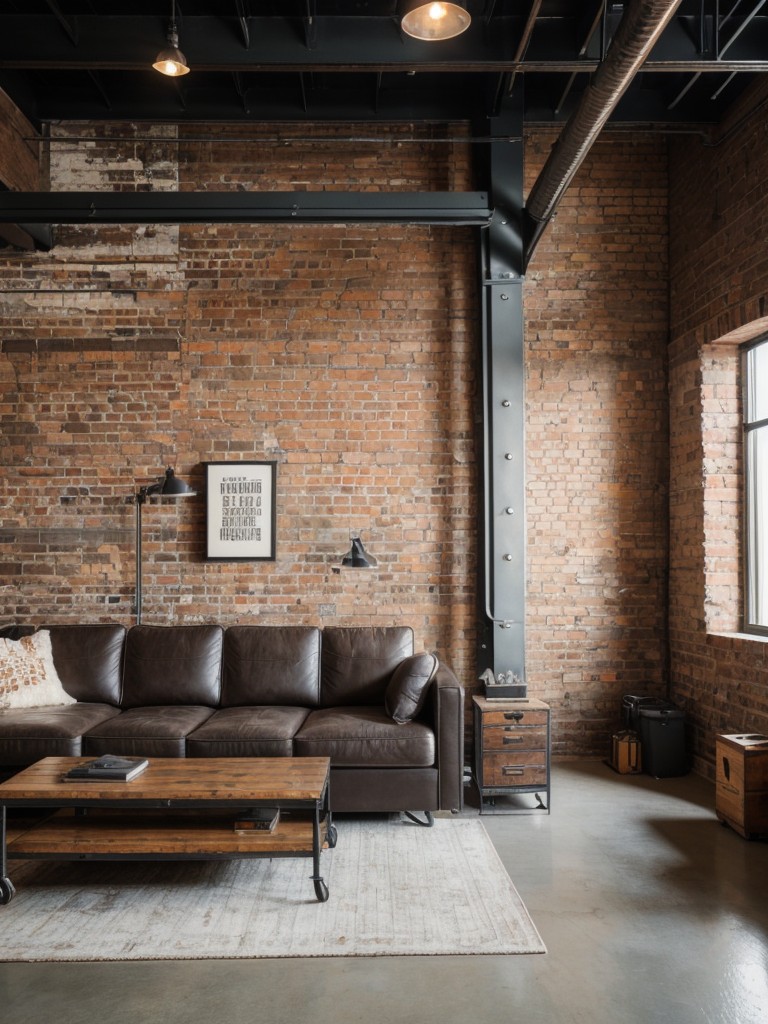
(741, 793)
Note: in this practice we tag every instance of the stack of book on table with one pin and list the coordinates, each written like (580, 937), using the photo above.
(119, 769)
(257, 819)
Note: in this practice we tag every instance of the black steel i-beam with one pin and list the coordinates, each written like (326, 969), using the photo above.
(461, 208)
(501, 630)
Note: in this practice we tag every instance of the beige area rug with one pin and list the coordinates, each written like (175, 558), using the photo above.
(396, 889)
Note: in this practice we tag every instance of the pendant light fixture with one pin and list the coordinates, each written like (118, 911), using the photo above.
(434, 20)
(171, 61)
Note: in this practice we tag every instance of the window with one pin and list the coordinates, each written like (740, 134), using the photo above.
(755, 400)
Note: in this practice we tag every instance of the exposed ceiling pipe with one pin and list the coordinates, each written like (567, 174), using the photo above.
(638, 32)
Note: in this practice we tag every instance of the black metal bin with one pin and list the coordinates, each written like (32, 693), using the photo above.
(632, 705)
(662, 741)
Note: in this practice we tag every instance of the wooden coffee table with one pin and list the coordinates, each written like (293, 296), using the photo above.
(177, 809)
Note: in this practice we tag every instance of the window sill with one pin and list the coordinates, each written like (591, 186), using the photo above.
(731, 638)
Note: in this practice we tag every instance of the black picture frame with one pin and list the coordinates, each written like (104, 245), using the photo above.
(241, 513)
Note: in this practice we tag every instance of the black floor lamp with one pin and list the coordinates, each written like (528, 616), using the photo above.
(170, 487)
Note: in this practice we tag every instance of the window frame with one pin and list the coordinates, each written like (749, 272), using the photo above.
(750, 427)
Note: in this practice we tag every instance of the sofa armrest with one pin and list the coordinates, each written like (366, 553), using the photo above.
(448, 720)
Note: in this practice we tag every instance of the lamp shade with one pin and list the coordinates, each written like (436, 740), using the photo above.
(171, 61)
(173, 487)
(433, 20)
(357, 557)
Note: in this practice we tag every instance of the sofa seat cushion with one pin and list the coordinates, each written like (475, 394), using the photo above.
(157, 731)
(247, 732)
(365, 736)
(29, 734)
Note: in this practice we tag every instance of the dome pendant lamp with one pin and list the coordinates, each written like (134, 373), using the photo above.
(434, 20)
(171, 61)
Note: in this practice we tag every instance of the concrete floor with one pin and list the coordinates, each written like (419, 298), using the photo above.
(652, 912)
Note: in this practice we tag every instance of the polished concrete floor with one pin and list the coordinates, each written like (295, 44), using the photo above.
(652, 912)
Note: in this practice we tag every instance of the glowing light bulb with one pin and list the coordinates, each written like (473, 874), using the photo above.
(435, 21)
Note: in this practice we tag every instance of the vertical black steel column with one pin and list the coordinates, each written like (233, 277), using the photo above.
(502, 579)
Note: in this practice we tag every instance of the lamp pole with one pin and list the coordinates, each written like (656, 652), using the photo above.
(169, 487)
(141, 497)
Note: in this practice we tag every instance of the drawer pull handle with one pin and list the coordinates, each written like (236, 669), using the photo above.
(513, 739)
(514, 716)
(512, 769)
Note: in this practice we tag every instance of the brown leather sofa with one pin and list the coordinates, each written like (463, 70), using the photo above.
(253, 691)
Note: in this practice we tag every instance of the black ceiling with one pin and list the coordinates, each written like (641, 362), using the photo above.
(347, 60)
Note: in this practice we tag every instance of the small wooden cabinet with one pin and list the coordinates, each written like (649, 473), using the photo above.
(741, 783)
(512, 749)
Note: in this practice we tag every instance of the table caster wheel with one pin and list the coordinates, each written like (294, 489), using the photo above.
(321, 890)
(333, 836)
(7, 890)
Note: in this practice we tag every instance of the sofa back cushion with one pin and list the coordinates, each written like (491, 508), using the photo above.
(358, 661)
(271, 665)
(89, 659)
(172, 665)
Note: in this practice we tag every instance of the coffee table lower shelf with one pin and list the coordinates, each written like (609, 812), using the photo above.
(104, 835)
(111, 835)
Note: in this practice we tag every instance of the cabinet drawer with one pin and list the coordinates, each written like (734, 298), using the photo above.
(515, 716)
(515, 737)
(510, 768)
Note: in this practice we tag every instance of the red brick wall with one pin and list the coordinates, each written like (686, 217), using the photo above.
(347, 355)
(718, 263)
(596, 329)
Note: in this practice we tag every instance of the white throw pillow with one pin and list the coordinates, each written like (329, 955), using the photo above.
(28, 677)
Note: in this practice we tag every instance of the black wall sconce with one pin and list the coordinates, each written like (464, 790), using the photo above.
(357, 557)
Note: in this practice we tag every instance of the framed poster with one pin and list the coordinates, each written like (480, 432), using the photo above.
(240, 511)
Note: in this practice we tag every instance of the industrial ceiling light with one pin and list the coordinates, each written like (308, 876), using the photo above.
(434, 20)
(171, 61)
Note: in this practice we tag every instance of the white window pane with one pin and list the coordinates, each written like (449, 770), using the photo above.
(757, 527)
(757, 383)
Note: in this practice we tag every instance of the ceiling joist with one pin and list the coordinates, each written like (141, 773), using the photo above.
(354, 63)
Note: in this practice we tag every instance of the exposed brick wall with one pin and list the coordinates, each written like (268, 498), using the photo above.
(719, 218)
(347, 354)
(596, 331)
